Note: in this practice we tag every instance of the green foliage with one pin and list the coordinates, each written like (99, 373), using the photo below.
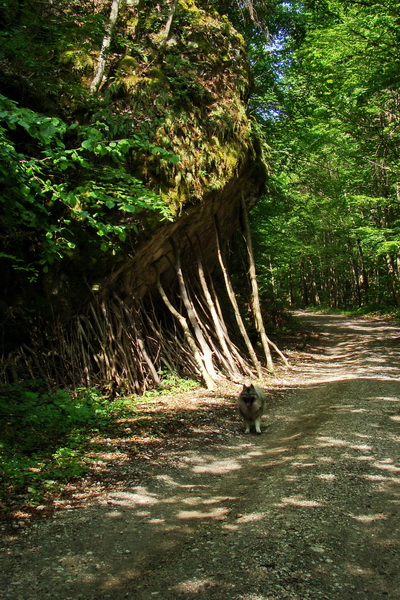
(165, 128)
(74, 178)
(329, 230)
(44, 435)
(171, 383)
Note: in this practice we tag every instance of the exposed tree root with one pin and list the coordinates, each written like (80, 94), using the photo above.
(123, 345)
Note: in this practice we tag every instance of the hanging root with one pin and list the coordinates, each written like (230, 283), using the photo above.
(122, 346)
(255, 297)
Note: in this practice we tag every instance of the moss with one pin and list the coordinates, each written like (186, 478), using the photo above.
(79, 58)
(126, 66)
(156, 74)
(189, 98)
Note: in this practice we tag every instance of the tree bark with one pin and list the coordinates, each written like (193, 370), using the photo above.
(167, 28)
(239, 359)
(364, 273)
(206, 351)
(216, 319)
(208, 380)
(255, 297)
(101, 63)
(393, 279)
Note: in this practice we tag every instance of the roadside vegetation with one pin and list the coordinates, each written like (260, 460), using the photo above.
(48, 438)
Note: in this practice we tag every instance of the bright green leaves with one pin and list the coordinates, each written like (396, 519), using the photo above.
(69, 178)
(96, 143)
(335, 147)
(166, 154)
(47, 130)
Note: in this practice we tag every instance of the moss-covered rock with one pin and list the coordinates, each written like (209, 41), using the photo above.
(188, 95)
(184, 89)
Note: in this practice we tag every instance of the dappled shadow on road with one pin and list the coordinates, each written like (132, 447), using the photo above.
(326, 522)
(351, 347)
(307, 510)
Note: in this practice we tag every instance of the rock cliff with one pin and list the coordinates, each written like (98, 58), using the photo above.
(176, 75)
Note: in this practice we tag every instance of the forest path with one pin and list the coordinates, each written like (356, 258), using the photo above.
(308, 510)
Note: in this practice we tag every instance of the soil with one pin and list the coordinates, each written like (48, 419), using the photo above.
(193, 508)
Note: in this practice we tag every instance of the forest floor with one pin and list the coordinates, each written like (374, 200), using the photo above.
(190, 507)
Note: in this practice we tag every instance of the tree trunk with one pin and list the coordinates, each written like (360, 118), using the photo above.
(193, 319)
(305, 286)
(393, 279)
(208, 380)
(219, 330)
(240, 361)
(364, 274)
(101, 63)
(167, 28)
(255, 297)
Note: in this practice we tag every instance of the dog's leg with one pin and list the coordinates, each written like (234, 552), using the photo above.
(257, 424)
(247, 430)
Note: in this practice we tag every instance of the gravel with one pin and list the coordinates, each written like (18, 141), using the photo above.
(308, 510)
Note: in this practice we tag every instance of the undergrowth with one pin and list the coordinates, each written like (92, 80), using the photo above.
(172, 383)
(370, 310)
(45, 436)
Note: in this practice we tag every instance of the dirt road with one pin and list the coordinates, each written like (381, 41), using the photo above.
(310, 509)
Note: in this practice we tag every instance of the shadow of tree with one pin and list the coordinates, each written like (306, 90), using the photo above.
(308, 509)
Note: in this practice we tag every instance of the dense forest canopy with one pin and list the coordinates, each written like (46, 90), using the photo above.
(134, 138)
(330, 233)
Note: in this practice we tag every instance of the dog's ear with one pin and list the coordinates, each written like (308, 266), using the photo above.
(251, 386)
(244, 387)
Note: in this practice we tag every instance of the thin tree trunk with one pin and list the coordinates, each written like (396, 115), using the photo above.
(291, 295)
(273, 282)
(356, 274)
(215, 319)
(167, 28)
(140, 343)
(305, 285)
(364, 274)
(255, 297)
(101, 62)
(235, 306)
(392, 279)
(239, 359)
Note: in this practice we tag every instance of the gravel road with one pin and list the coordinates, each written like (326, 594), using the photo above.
(308, 510)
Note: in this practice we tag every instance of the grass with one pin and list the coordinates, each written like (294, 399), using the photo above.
(365, 311)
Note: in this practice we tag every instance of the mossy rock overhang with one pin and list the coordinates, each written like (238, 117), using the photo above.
(191, 100)
(194, 229)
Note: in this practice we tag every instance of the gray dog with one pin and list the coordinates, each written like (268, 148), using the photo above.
(251, 404)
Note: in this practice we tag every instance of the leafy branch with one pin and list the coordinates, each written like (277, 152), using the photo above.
(63, 177)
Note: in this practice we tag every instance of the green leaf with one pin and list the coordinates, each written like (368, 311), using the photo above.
(174, 159)
(128, 208)
(88, 144)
